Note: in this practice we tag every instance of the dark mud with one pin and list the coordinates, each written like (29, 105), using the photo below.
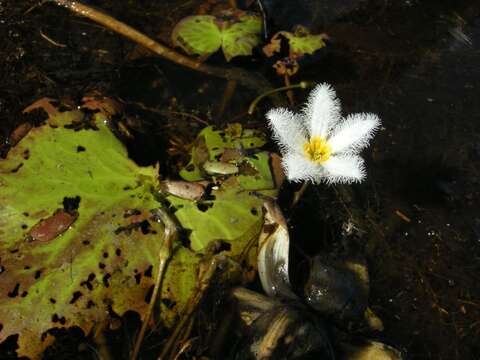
(416, 63)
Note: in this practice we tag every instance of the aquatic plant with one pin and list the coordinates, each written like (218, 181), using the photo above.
(236, 32)
(318, 144)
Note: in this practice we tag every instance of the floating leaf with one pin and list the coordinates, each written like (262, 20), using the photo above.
(236, 32)
(79, 234)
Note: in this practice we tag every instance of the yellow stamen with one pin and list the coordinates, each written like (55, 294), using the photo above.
(317, 149)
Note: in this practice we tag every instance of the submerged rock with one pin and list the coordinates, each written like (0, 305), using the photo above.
(338, 289)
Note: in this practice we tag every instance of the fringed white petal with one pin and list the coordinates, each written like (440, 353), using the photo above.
(323, 111)
(354, 133)
(298, 168)
(287, 129)
(344, 169)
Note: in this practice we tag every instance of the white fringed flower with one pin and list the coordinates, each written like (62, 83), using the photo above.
(318, 144)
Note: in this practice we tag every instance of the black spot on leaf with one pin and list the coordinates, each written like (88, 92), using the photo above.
(14, 170)
(14, 292)
(148, 272)
(202, 206)
(105, 280)
(71, 204)
(76, 295)
(149, 294)
(138, 278)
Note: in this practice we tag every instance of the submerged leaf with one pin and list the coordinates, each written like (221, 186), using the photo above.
(301, 42)
(236, 32)
(241, 37)
(197, 35)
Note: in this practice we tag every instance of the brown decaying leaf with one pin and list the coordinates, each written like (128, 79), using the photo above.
(107, 105)
(19, 133)
(50, 228)
(230, 154)
(277, 169)
(183, 189)
(273, 46)
(44, 104)
(286, 66)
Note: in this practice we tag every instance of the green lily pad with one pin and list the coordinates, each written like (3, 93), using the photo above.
(236, 32)
(79, 234)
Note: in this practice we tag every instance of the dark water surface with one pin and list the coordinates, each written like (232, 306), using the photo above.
(415, 63)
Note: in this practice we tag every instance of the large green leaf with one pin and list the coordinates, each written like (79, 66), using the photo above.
(236, 32)
(59, 273)
(79, 232)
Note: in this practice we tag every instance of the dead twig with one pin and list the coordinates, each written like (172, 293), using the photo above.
(51, 41)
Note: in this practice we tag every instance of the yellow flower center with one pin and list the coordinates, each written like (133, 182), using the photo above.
(317, 149)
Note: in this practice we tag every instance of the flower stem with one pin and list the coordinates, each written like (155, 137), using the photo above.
(302, 85)
(298, 194)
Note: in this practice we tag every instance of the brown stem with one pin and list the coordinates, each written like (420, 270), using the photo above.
(243, 77)
(291, 99)
(227, 96)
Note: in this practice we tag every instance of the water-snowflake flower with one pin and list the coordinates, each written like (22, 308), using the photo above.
(318, 144)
